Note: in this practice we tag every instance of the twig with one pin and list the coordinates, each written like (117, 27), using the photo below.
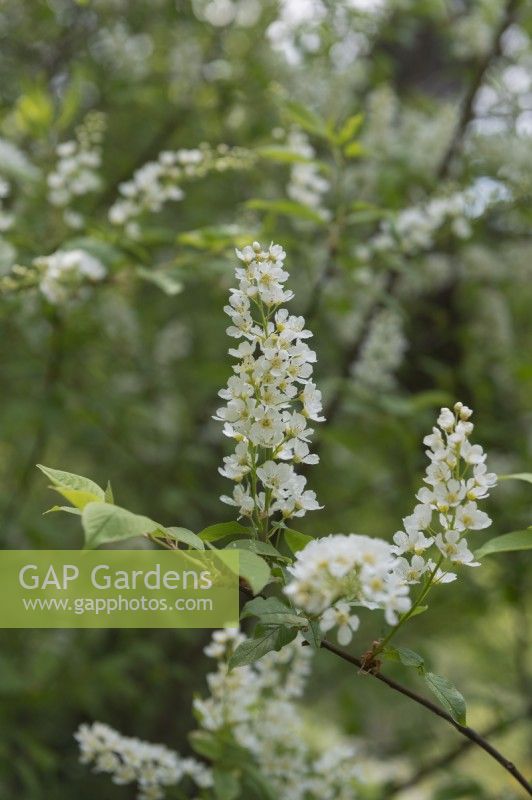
(468, 103)
(445, 760)
(464, 730)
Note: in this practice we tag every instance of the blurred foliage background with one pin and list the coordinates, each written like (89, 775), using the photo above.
(386, 144)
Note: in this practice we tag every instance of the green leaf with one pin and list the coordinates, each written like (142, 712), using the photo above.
(272, 611)
(313, 634)
(282, 155)
(254, 570)
(350, 128)
(222, 529)
(448, 695)
(417, 611)
(288, 208)
(77, 497)
(168, 283)
(354, 150)
(109, 496)
(68, 509)
(103, 523)
(68, 480)
(257, 546)
(518, 476)
(507, 543)
(206, 745)
(187, 537)
(306, 119)
(253, 649)
(407, 657)
(296, 540)
(226, 784)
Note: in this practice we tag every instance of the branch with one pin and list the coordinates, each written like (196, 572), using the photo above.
(471, 734)
(445, 760)
(468, 103)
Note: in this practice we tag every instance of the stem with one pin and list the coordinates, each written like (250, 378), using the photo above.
(464, 730)
(424, 592)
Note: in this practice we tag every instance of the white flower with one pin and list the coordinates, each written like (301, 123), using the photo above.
(356, 569)
(340, 616)
(270, 397)
(65, 273)
(469, 517)
(455, 549)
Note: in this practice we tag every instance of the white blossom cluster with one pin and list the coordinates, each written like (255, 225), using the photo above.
(6, 219)
(76, 172)
(257, 703)
(126, 53)
(381, 353)
(332, 575)
(153, 767)
(158, 182)
(65, 274)
(456, 478)
(271, 397)
(306, 185)
(414, 229)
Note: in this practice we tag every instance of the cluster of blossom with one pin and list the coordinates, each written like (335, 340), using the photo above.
(271, 396)
(306, 185)
(456, 478)
(124, 52)
(65, 274)
(153, 767)
(414, 229)
(257, 704)
(158, 182)
(6, 219)
(381, 353)
(77, 169)
(332, 575)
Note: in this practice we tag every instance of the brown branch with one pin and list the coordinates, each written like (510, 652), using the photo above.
(448, 758)
(468, 103)
(470, 733)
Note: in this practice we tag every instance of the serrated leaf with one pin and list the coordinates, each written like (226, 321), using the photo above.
(187, 537)
(448, 695)
(405, 656)
(518, 476)
(253, 649)
(272, 611)
(350, 128)
(69, 480)
(78, 497)
(222, 529)
(507, 543)
(104, 523)
(288, 208)
(257, 546)
(254, 570)
(296, 540)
